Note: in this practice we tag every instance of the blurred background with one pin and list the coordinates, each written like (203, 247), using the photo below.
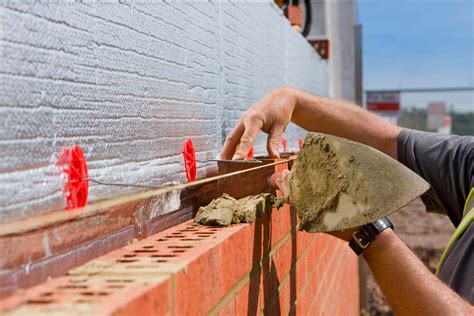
(424, 51)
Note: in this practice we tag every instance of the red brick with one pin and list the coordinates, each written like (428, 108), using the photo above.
(249, 299)
(281, 223)
(233, 185)
(152, 301)
(229, 309)
(283, 260)
(210, 276)
(286, 297)
(191, 269)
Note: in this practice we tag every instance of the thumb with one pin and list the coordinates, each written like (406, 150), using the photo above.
(273, 140)
(283, 183)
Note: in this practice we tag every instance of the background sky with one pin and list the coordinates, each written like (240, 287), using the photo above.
(419, 43)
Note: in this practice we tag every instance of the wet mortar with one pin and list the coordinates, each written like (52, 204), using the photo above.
(317, 181)
(226, 210)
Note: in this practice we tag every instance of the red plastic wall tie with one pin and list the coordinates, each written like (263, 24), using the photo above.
(283, 143)
(250, 153)
(189, 155)
(73, 164)
(300, 143)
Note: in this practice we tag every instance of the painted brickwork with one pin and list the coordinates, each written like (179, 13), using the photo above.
(245, 269)
(129, 82)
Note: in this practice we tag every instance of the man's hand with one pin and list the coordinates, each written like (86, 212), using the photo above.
(271, 114)
(282, 183)
(314, 113)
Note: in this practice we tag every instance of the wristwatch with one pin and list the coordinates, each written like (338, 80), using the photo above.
(362, 238)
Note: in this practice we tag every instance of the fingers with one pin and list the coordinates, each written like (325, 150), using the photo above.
(251, 129)
(283, 184)
(232, 141)
(273, 140)
(273, 178)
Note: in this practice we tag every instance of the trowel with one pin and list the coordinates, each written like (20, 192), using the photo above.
(337, 184)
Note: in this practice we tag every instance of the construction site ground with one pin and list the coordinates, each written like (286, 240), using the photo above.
(426, 234)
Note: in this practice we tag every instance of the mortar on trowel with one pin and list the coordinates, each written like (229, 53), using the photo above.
(337, 184)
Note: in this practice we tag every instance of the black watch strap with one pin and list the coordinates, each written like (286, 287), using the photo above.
(362, 238)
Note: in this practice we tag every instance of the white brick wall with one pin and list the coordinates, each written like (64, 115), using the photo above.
(129, 82)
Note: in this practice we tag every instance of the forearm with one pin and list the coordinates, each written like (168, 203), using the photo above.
(315, 113)
(406, 283)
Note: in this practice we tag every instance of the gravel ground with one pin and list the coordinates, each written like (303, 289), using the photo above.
(426, 234)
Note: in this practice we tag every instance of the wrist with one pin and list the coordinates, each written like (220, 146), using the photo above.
(384, 242)
(288, 94)
(364, 237)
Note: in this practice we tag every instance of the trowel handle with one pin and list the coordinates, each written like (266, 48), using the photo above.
(273, 179)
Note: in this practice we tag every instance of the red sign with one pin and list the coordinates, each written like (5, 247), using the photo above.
(383, 101)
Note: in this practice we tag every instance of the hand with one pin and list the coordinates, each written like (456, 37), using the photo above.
(271, 114)
(281, 183)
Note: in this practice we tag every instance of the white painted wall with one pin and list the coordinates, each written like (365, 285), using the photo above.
(129, 83)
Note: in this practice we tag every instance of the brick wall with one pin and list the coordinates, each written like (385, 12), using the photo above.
(129, 82)
(188, 270)
(264, 267)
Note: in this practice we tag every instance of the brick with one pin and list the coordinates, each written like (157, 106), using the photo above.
(293, 12)
(190, 269)
(210, 276)
(234, 186)
(283, 259)
(287, 296)
(155, 301)
(282, 221)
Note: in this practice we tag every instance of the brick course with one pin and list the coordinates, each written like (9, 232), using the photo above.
(266, 266)
(188, 270)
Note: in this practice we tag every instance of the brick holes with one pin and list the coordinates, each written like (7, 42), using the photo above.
(39, 301)
(145, 251)
(116, 286)
(72, 287)
(90, 293)
(127, 260)
(118, 281)
(163, 256)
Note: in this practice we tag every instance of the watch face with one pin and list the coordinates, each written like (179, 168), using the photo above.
(382, 224)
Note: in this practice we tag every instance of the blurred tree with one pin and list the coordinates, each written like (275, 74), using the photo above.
(463, 123)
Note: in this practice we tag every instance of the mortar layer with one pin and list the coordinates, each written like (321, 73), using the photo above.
(316, 181)
(226, 210)
(338, 184)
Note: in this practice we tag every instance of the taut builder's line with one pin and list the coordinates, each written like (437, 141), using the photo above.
(56, 217)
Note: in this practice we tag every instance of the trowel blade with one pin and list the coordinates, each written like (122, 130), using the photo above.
(338, 184)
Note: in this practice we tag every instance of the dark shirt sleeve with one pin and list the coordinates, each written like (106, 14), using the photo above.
(446, 162)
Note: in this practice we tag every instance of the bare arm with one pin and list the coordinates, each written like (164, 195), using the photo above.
(314, 113)
(344, 119)
(410, 288)
(407, 284)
